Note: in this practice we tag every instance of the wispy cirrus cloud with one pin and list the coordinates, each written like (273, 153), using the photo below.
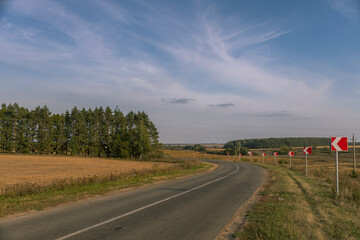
(143, 53)
(212, 46)
(218, 49)
(347, 8)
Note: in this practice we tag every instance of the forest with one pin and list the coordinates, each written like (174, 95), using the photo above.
(279, 142)
(98, 133)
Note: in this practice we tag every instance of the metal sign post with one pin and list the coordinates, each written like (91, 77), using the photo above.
(306, 151)
(306, 168)
(275, 154)
(337, 171)
(338, 144)
(354, 152)
(291, 153)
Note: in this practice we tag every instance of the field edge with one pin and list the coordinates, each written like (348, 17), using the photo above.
(21, 205)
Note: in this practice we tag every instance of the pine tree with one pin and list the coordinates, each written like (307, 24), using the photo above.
(57, 137)
(119, 146)
(86, 132)
(82, 128)
(141, 136)
(42, 117)
(130, 134)
(8, 128)
(100, 131)
(90, 132)
(74, 136)
(107, 130)
(22, 131)
(67, 131)
(3, 128)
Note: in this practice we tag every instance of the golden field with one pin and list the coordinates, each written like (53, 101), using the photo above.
(18, 169)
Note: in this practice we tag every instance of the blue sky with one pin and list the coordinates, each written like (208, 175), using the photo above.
(204, 71)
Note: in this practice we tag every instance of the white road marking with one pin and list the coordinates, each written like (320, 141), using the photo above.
(142, 208)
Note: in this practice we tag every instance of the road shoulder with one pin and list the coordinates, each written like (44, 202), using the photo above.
(240, 217)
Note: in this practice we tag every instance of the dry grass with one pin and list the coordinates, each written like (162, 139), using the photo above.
(197, 155)
(294, 206)
(58, 180)
(215, 149)
(321, 166)
(20, 169)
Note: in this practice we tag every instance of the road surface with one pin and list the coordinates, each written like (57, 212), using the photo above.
(196, 207)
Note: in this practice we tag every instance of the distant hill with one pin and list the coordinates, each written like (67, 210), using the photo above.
(279, 142)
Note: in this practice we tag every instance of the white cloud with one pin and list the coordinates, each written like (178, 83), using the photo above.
(177, 59)
(211, 52)
(347, 8)
(207, 50)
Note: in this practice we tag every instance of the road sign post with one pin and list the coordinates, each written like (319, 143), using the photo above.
(338, 144)
(306, 167)
(263, 155)
(250, 154)
(306, 151)
(291, 153)
(354, 152)
(337, 171)
(275, 154)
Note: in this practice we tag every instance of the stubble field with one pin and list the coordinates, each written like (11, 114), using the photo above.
(17, 169)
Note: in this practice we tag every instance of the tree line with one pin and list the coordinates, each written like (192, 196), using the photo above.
(99, 132)
(279, 142)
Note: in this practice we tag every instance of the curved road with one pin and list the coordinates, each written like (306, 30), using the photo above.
(196, 207)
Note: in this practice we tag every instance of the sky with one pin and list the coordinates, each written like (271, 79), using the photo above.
(204, 71)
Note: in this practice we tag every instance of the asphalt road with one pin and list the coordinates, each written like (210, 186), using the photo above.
(196, 207)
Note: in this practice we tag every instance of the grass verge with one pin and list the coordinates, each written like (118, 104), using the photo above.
(23, 198)
(297, 207)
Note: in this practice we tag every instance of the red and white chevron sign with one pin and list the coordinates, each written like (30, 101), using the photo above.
(263, 154)
(307, 150)
(276, 153)
(291, 153)
(339, 144)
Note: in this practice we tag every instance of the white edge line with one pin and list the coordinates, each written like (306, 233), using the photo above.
(142, 208)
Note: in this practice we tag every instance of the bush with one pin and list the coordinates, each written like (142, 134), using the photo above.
(283, 161)
(354, 174)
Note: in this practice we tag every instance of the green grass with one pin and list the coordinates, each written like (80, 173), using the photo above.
(297, 207)
(41, 197)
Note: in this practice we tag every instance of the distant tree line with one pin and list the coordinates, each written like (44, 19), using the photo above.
(279, 142)
(86, 132)
(196, 147)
